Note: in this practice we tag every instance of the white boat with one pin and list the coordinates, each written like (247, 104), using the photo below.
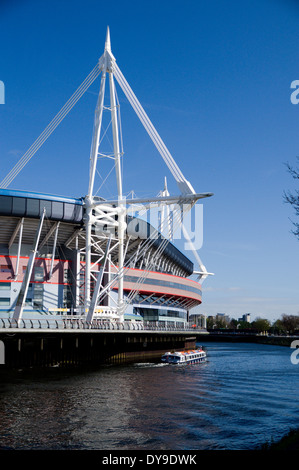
(185, 357)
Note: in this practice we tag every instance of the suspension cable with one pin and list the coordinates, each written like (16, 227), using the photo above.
(148, 125)
(51, 126)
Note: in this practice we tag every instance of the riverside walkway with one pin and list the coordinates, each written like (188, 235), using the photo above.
(72, 341)
(75, 323)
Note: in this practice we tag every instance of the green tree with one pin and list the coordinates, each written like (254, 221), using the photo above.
(278, 328)
(261, 324)
(233, 323)
(221, 323)
(210, 323)
(245, 325)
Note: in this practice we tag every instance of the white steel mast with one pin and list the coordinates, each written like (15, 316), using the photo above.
(107, 215)
(104, 215)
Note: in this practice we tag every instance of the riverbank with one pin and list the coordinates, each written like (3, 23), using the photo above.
(248, 338)
(288, 442)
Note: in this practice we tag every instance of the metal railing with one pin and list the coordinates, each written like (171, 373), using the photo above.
(75, 323)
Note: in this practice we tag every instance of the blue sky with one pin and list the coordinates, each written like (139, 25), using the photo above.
(214, 78)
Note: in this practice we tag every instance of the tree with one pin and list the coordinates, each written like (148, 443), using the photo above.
(221, 322)
(290, 323)
(293, 198)
(244, 325)
(261, 324)
(210, 323)
(233, 323)
(278, 327)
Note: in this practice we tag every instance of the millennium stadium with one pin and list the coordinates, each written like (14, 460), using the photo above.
(90, 257)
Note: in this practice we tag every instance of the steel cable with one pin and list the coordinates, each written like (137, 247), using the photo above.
(51, 126)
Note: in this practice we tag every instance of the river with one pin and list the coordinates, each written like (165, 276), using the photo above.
(242, 397)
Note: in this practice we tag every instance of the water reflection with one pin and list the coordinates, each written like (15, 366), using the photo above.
(243, 396)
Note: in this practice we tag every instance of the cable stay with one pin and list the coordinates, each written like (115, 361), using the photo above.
(51, 126)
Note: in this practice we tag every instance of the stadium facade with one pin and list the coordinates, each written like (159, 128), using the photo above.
(90, 256)
(57, 281)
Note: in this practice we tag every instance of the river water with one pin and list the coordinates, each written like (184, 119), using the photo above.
(243, 396)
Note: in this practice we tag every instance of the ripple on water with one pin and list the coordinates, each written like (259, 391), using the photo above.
(244, 395)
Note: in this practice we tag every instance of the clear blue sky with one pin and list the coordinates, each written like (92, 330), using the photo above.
(214, 77)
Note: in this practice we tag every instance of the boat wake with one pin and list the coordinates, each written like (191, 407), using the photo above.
(143, 365)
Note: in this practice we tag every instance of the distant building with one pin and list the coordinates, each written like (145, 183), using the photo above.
(223, 317)
(198, 319)
(246, 317)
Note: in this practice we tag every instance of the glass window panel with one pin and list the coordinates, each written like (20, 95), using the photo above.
(32, 207)
(47, 205)
(5, 268)
(38, 288)
(5, 204)
(19, 205)
(5, 285)
(4, 301)
(77, 213)
(57, 210)
(68, 211)
(38, 274)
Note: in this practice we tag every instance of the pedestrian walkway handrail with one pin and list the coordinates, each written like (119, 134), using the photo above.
(78, 323)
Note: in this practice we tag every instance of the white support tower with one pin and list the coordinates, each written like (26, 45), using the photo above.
(107, 216)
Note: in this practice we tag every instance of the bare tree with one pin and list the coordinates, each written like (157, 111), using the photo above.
(290, 322)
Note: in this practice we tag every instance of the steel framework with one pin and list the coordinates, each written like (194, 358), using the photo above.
(105, 221)
(111, 215)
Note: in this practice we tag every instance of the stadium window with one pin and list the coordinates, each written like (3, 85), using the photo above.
(19, 205)
(32, 207)
(38, 274)
(5, 268)
(5, 285)
(6, 204)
